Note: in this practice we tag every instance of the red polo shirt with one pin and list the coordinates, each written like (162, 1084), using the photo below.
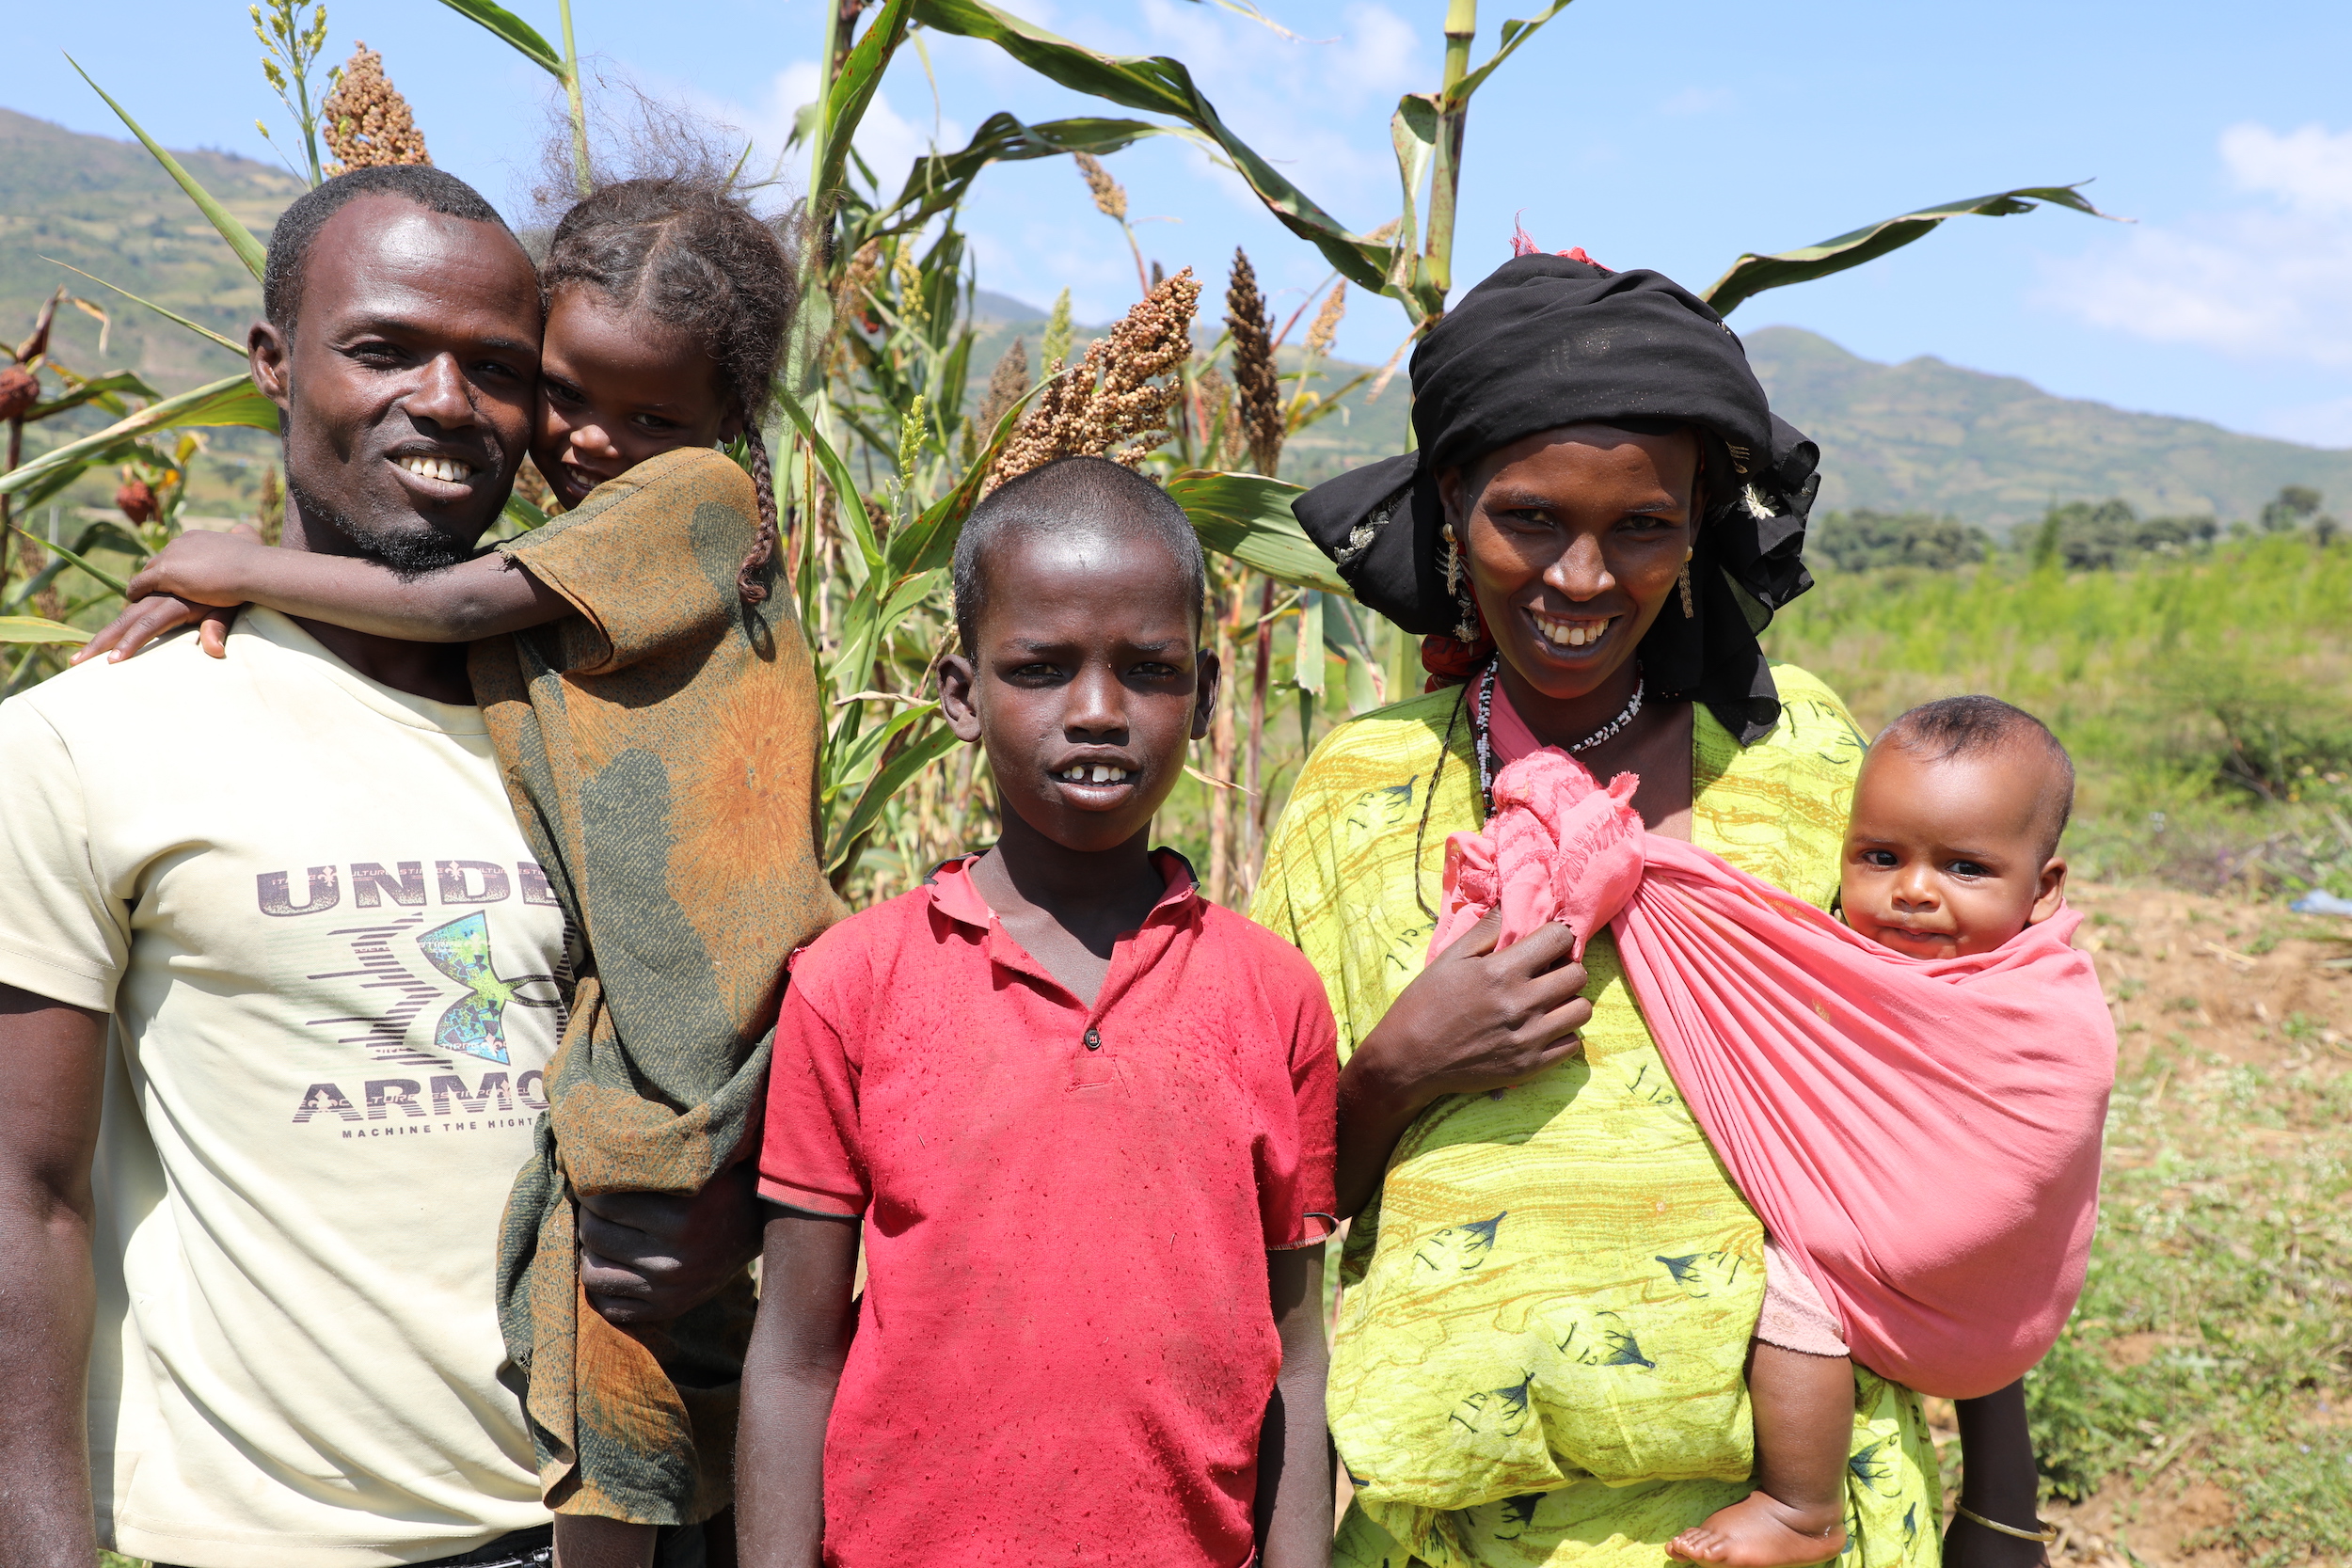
(1066, 1344)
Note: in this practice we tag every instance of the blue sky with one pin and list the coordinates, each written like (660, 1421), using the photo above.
(1672, 134)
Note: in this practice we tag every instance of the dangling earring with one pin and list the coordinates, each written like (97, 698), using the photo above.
(1458, 588)
(1690, 610)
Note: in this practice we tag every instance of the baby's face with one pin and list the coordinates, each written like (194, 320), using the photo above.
(1945, 859)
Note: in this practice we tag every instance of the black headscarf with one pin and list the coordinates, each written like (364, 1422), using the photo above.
(1549, 342)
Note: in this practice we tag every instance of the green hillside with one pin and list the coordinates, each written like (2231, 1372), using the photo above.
(1997, 451)
(105, 207)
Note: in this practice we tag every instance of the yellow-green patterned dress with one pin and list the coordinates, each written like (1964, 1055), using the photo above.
(1541, 1351)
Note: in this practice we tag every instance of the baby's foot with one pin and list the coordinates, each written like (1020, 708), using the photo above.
(1759, 1532)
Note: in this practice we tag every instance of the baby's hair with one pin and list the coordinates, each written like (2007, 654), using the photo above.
(1966, 726)
(688, 249)
(1072, 495)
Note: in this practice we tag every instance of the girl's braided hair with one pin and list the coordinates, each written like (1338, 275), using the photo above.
(688, 249)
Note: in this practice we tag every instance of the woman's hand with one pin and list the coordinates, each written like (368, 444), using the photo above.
(198, 577)
(1474, 1020)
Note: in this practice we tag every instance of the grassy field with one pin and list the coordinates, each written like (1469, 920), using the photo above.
(2207, 700)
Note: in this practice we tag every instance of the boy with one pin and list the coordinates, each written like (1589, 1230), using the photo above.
(1084, 1117)
(1951, 851)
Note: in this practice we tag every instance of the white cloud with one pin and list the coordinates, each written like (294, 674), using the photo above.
(2309, 169)
(1700, 100)
(1379, 53)
(2266, 280)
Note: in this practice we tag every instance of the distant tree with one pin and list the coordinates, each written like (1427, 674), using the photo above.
(2293, 508)
(2092, 537)
(2087, 536)
(2174, 535)
(2325, 528)
(1861, 539)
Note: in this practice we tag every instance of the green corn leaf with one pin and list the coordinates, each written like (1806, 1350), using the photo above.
(1158, 84)
(853, 90)
(196, 328)
(108, 533)
(1363, 694)
(99, 387)
(1413, 132)
(1307, 661)
(935, 742)
(940, 182)
(231, 401)
(929, 541)
(249, 250)
(845, 494)
(514, 30)
(33, 628)
(59, 550)
(522, 514)
(1752, 274)
(1514, 34)
(851, 749)
(1248, 516)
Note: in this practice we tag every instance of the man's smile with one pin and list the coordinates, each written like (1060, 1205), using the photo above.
(437, 476)
(449, 471)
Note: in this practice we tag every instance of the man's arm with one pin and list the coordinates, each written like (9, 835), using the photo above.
(53, 1060)
(473, 599)
(1999, 1480)
(789, 1375)
(1294, 1506)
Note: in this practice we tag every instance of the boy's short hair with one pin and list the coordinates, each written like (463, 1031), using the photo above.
(1967, 726)
(1072, 495)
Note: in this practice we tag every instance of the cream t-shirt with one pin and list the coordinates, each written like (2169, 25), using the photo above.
(333, 968)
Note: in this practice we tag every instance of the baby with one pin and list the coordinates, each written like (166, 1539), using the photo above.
(1952, 850)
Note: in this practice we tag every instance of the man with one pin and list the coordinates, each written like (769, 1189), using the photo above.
(290, 889)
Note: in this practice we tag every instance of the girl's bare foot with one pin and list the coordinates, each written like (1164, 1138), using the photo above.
(1759, 1532)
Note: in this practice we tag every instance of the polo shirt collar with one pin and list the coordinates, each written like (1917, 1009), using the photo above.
(954, 895)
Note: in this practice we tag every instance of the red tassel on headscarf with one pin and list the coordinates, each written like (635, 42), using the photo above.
(1523, 244)
(1451, 661)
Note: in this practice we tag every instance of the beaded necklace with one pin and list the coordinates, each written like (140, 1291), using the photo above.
(1482, 724)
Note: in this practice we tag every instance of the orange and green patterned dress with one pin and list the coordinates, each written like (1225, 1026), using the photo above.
(1541, 1352)
(659, 747)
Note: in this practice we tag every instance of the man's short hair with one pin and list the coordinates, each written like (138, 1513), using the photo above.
(418, 184)
(1067, 496)
(1966, 726)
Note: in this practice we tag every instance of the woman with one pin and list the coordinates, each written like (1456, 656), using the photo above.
(1552, 1280)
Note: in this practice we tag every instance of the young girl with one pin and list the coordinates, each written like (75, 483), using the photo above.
(656, 723)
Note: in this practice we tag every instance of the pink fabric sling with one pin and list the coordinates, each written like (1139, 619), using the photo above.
(1922, 1135)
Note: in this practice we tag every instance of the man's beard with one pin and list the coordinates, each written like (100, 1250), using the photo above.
(410, 554)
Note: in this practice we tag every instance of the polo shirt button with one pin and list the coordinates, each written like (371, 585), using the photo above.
(1094, 1040)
